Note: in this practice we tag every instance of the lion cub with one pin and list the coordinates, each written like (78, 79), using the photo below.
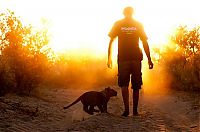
(93, 98)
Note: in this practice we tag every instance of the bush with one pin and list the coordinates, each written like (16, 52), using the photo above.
(181, 59)
(22, 53)
(82, 71)
(26, 61)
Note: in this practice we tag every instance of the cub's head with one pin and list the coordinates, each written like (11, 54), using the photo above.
(110, 92)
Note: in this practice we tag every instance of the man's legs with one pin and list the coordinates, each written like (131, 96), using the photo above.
(136, 80)
(124, 71)
(125, 96)
(135, 101)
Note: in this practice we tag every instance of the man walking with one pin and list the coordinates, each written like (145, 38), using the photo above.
(129, 31)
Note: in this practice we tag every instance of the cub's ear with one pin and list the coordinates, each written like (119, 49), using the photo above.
(108, 87)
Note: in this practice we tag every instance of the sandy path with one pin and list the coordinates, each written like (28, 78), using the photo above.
(180, 110)
(45, 113)
(162, 112)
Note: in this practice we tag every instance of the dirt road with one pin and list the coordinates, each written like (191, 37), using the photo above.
(43, 112)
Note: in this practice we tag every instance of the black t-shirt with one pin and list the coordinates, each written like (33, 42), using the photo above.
(128, 31)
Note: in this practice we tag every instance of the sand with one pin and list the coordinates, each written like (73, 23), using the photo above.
(43, 111)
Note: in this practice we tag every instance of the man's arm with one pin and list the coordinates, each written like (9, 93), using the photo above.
(147, 51)
(109, 63)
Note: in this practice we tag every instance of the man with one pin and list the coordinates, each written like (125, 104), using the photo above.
(129, 31)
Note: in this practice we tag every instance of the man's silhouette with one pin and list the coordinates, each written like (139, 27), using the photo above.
(129, 31)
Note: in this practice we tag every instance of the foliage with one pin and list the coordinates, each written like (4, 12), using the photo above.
(80, 71)
(187, 40)
(23, 54)
(181, 59)
(26, 61)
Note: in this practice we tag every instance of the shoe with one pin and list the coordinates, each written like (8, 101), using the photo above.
(125, 114)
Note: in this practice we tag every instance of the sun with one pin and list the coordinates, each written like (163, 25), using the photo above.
(85, 24)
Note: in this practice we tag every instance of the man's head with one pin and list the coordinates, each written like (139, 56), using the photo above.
(128, 12)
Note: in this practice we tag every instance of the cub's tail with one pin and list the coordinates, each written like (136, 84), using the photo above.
(76, 101)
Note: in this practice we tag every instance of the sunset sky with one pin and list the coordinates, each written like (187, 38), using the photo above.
(76, 24)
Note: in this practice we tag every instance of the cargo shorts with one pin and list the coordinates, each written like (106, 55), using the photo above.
(130, 70)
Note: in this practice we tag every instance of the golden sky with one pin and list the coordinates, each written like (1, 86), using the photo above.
(78, 24)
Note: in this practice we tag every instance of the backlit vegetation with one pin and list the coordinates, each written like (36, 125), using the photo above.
(181, 59)
(23, 55)
(26, 61)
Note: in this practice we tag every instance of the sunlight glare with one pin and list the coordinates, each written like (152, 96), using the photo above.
(81, 24)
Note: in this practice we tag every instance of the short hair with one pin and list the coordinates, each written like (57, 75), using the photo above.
(128, 11)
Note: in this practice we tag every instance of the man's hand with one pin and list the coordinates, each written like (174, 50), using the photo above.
(109, 63)
(150, 64)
